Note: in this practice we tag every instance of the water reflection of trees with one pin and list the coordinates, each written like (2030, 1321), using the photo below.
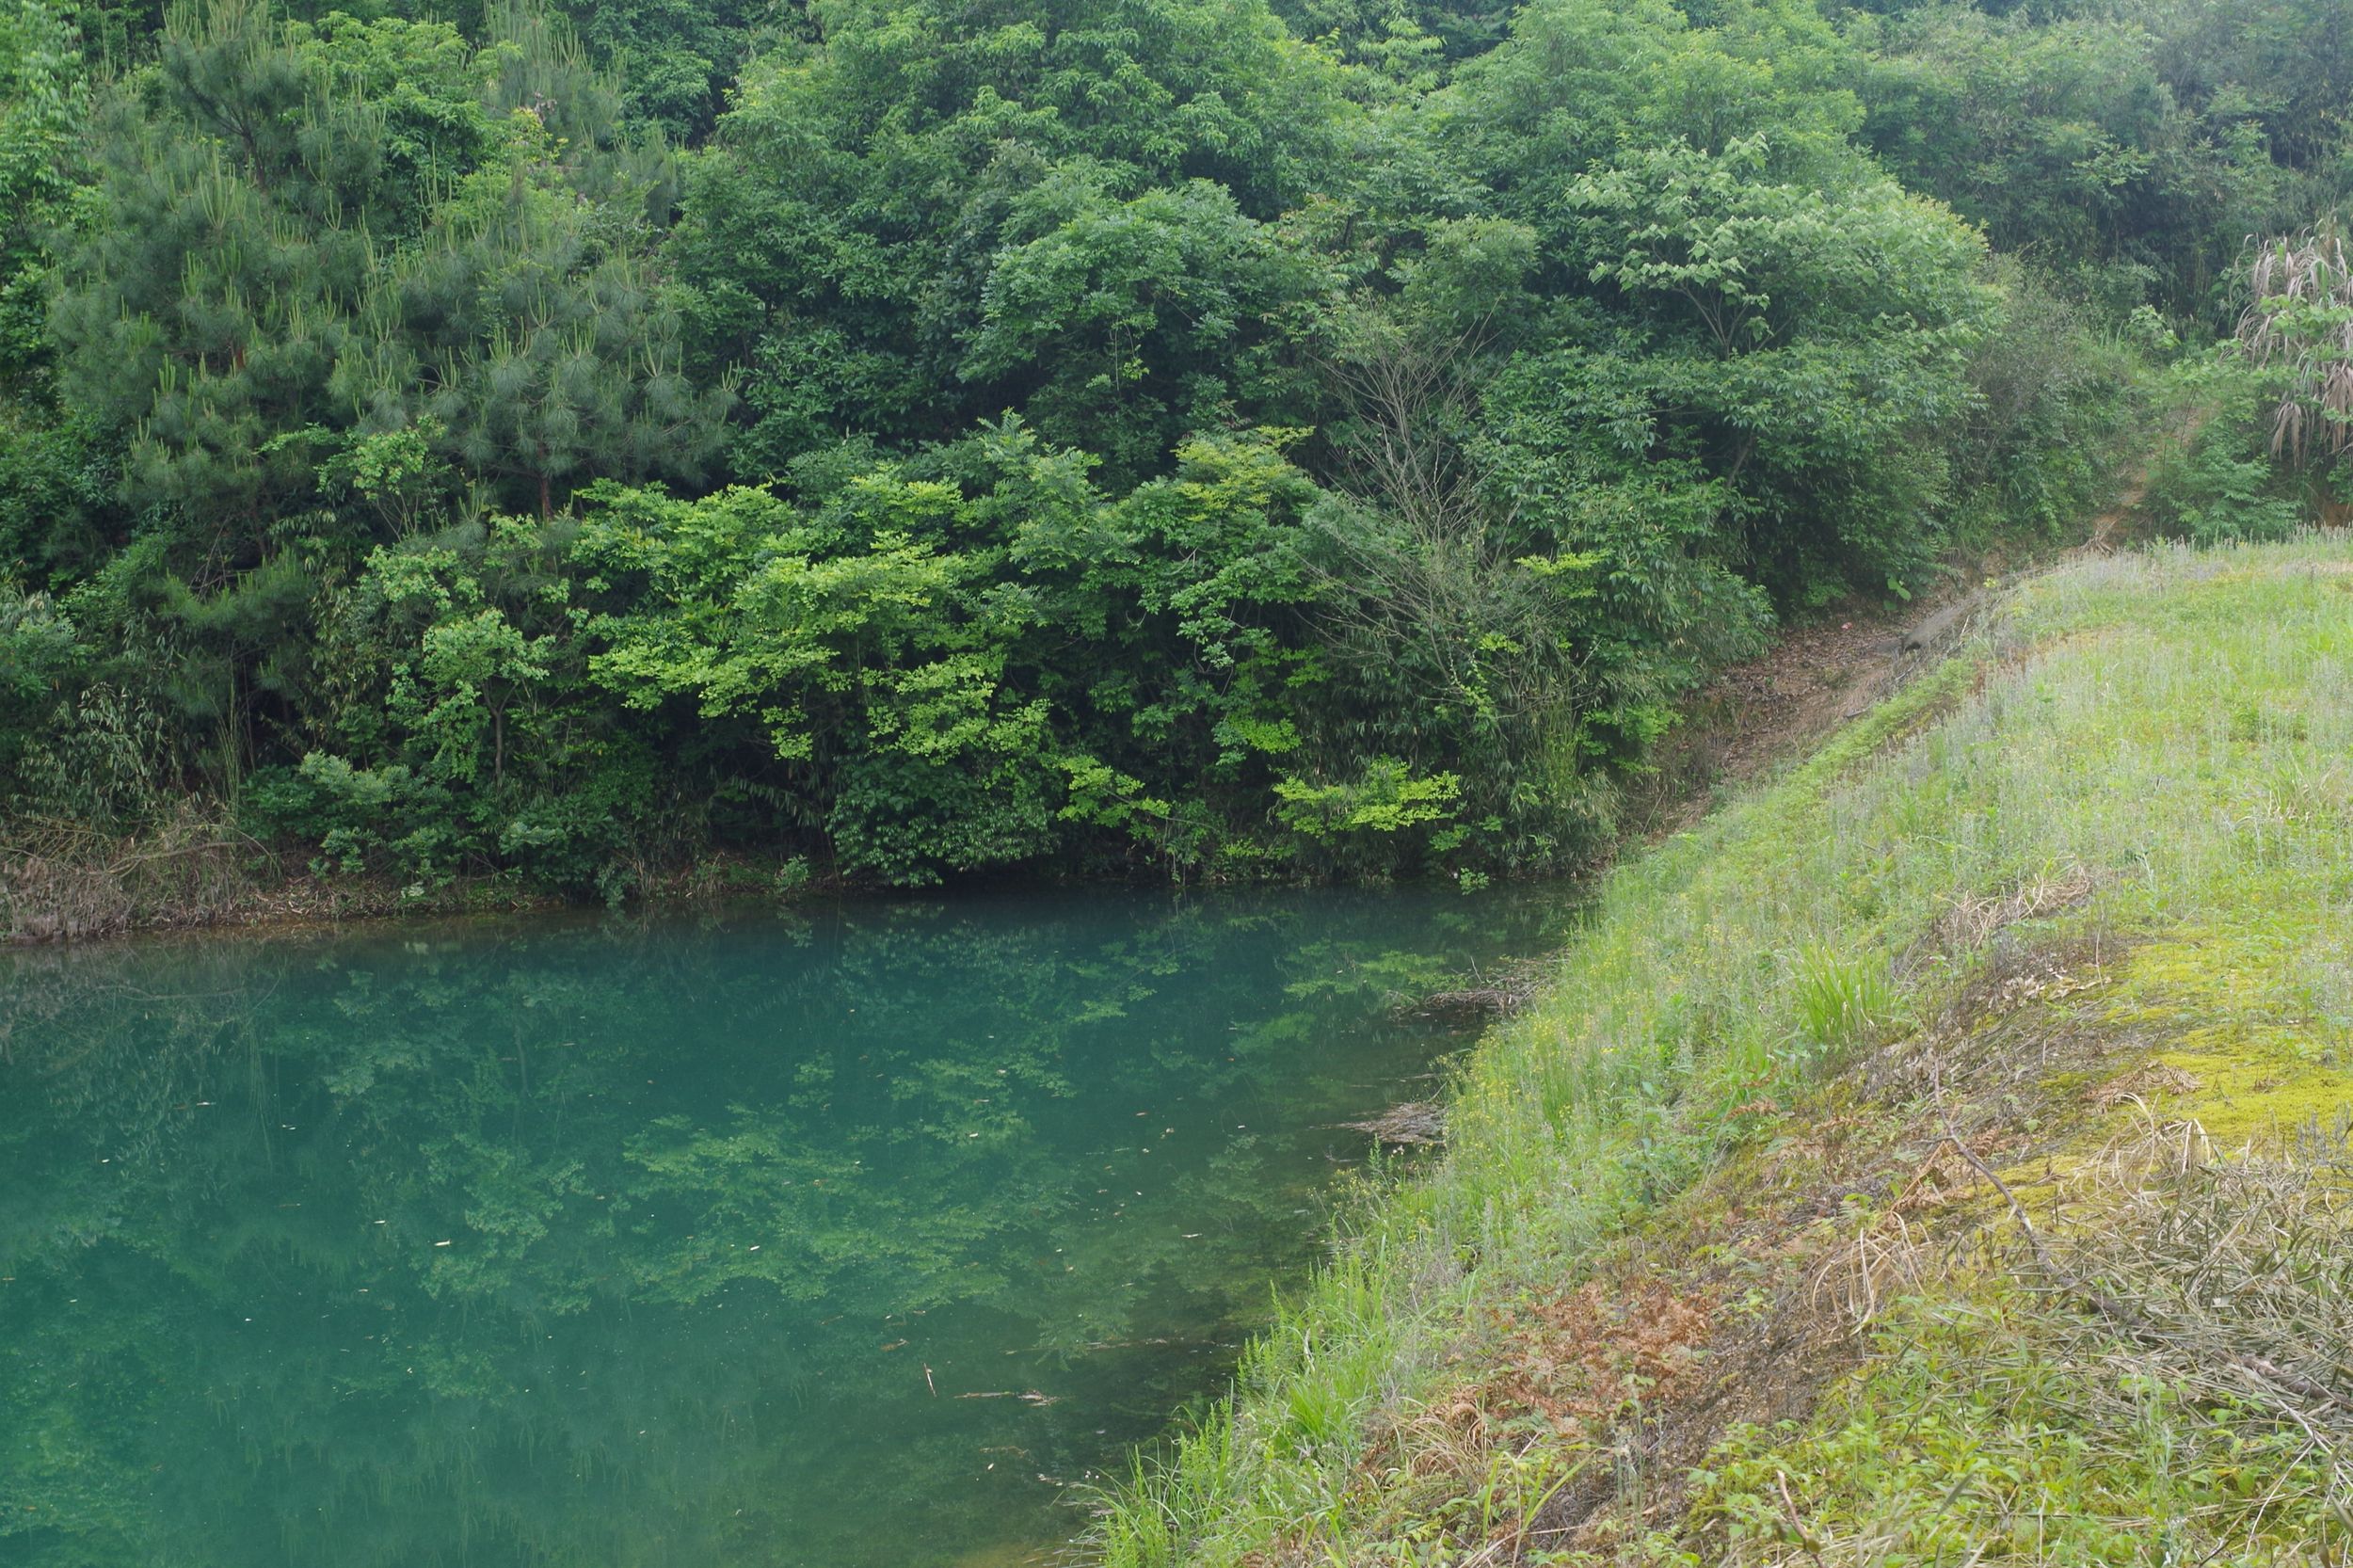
(585, 1242)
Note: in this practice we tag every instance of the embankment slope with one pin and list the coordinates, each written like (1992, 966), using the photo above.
(1934, 1155)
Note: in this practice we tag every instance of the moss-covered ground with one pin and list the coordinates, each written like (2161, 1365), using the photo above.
(1934, 1156)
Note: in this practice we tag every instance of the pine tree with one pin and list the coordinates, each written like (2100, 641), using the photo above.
(529, 325)
(316, 231)
(313, 239)
(42, 101)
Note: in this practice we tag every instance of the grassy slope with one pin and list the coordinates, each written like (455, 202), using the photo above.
(1711, 1271)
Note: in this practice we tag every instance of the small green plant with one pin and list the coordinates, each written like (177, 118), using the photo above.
(1842, 997)
(2253, 722)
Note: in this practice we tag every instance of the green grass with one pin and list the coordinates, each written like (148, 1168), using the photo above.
(2171, 729)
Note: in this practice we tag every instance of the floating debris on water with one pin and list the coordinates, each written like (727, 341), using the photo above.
(1414, 1122)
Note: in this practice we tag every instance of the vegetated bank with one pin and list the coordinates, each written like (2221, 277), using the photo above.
(1939, 1155)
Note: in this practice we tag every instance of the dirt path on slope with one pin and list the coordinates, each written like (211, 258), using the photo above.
(1820, 674)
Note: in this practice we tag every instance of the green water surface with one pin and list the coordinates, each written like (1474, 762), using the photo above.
(850, 1238)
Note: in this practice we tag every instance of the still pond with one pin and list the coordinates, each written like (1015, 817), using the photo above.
(857, 1236)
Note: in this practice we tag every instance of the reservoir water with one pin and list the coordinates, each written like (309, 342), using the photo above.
(854, 1237)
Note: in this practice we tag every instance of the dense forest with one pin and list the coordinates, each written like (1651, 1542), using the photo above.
(1207, 439)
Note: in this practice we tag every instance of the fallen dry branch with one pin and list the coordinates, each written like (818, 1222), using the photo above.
(1496, 994)
(1416, 1122)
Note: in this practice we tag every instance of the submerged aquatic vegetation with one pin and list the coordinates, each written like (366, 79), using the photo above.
(472, 1232)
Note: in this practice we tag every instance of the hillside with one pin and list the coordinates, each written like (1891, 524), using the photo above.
(477, 455)
(1936, 1155)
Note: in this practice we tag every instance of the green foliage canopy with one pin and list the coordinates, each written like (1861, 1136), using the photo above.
(1325, 439)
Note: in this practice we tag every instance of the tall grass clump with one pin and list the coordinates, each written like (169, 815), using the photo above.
(1841, 997)
(2086, 756)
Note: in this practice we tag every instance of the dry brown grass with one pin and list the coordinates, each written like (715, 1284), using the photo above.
(2138, 1085)
(1971, 921)
(60, 880)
